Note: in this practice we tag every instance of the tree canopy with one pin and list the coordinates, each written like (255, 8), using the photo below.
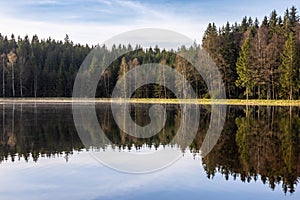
(256, 60)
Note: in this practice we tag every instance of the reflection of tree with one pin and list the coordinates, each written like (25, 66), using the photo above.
(139, 115)
(36, 131)
(245, 130)
(256, 143)
(224, 156)
(264, 143)
(290, 127)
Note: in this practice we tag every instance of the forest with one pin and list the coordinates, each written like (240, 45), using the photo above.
(257, 60)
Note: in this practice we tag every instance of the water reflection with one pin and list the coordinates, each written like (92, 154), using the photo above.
(37, 130)
(257, 143)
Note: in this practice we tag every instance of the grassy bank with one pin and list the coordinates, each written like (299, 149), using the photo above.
(222, 102)
(155, 101)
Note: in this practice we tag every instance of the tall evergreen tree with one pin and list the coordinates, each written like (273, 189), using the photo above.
(288, 69)
(23, 52)
(3, 64)
(243, 69)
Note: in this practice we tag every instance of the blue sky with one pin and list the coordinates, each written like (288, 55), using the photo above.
(95, 21)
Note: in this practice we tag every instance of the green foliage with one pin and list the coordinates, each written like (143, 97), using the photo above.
(257, 60)
(259, 74)
(43, 68)
(289, 69)
(243, 69)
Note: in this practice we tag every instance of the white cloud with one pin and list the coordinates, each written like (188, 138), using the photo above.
(94, 32)
(47, 2)
(95, 21)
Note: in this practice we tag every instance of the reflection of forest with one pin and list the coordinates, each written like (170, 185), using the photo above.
(259, 143)
(36, 130)
(256, 142)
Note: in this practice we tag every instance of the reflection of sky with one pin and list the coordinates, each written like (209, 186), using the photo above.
(84, 178)
(94, 21)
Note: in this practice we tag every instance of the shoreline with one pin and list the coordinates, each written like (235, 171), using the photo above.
(251, 102)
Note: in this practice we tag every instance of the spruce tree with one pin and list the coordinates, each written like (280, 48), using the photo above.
(243, 69)
(288, 68)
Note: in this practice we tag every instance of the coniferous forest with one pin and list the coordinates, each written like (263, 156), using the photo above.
(257, 59)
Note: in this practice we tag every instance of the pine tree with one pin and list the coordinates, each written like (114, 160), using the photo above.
(243, 69)
(227, 59)
(273, 22)
(288, 68)
(23, 52)
(293, 17)
(35, 62)
(210, 41)
(3, 60)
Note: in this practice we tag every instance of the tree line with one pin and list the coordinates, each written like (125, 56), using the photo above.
(256, 60)
(39, 68)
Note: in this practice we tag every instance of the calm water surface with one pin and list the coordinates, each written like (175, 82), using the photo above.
(42, 156)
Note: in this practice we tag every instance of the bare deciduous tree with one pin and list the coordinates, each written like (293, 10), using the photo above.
(12, 58)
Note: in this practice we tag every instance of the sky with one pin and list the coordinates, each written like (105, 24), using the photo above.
(95, 21)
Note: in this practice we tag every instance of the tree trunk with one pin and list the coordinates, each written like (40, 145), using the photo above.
(3, 121)
(230, 93)
(164, 78)
(21, 85)
(268, 91)
(108, 82)
(273, 89)
(291, 93)
(3, 79)
(13, 79)
(35, 82)
(197, 89)
(35, 86)
(290, 115)
(13, 120)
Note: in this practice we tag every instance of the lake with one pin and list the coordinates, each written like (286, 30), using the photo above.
(43, 157)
